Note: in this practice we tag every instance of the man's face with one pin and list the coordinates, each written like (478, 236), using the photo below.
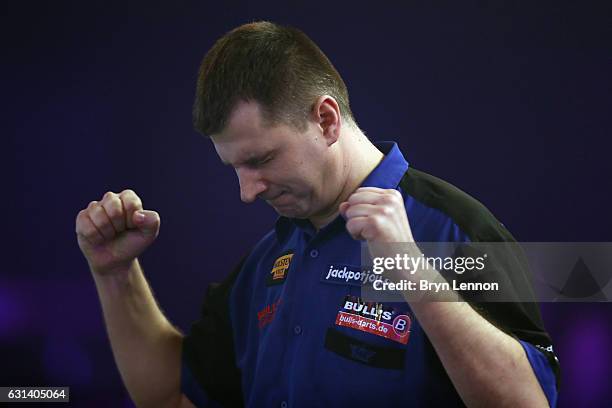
(286, 168)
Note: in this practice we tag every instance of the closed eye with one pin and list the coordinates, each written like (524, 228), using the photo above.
(257, 162)
(266, 160)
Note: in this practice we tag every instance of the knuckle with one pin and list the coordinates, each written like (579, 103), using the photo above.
(92, 211)
(80, 218)
(107, 197)
(385, 210)
(386, 199)
(131, 200)
(132, 205)
(95, 210)
(114, 207)
(115, 200)
(130, 195)
(128, 191)
(395, 197)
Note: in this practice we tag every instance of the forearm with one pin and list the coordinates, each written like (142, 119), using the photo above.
(146, 347)
(487, 366)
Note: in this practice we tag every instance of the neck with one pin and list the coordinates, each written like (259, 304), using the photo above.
(353, 172)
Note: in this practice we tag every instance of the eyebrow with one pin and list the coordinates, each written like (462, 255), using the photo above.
(253, 159)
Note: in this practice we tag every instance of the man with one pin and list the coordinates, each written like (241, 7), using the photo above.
(273, 332)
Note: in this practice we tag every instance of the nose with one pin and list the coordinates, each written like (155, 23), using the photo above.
(251, 184)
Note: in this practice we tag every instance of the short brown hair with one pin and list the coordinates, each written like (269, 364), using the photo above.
(276, 66)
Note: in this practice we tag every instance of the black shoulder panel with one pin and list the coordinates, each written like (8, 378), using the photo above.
(521, 320)
(208, 349)
(468, 213)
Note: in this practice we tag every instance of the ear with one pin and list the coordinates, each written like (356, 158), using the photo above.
(326, 114)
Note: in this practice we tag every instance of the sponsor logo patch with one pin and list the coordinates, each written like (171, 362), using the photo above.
(280, 269)
(349, 275)
(374, 318)
(266, 315)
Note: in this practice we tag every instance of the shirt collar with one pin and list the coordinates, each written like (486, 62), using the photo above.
(390, 170)
(386, 175)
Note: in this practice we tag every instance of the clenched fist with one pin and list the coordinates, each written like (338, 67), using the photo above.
(114, 231)
(376, 215)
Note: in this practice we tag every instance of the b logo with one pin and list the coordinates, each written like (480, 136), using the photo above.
(401, 325)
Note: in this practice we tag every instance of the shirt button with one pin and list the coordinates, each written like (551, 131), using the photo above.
(314, 253)
(284, 404)
(297, 329)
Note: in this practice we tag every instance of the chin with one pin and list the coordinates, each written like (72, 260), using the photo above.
(291, 212)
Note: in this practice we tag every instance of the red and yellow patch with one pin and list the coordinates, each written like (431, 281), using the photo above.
(280, 268)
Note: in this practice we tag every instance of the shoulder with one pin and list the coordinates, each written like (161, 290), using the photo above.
(469, 214)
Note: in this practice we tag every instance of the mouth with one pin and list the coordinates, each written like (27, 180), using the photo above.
(278, 200)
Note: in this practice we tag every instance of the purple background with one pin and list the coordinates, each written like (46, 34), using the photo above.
(511, 104)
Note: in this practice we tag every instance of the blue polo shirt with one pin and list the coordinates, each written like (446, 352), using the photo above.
(286, 328)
